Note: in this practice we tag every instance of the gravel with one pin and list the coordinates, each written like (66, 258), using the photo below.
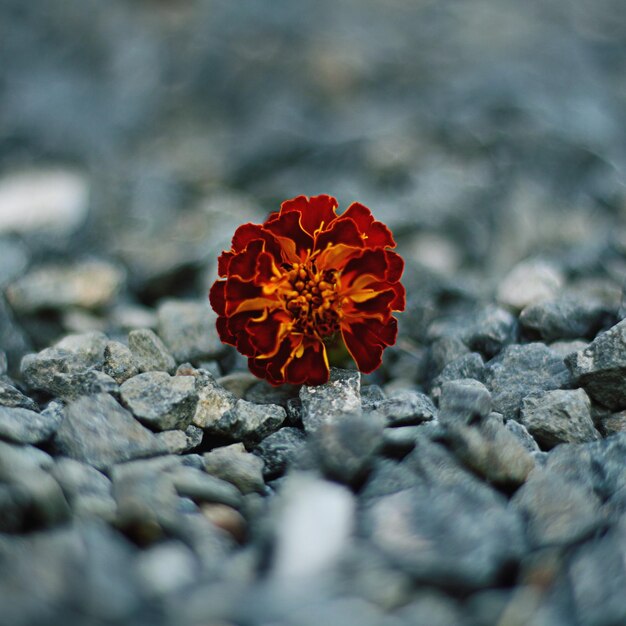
(150, 352)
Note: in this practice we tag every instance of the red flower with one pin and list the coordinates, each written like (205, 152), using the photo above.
(304, 279)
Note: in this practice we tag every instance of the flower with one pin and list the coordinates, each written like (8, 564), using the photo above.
(304, 281)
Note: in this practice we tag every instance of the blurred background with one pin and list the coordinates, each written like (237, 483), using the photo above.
(139, 133)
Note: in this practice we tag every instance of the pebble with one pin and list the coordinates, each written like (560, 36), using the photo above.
(568, 317)
(161, 401)
(601, 367)
(470, 365)
(119, 362)
(3, 363)
(404, 407)
(234, 464)
(613, 423)
(521, 370)
(10, 396)
(558, 416)
(464, 401)
(26, 426)
(14, 259)
(150, 352)
(188, 330)
(249, 422)
(88, 285)
(200, 487)
(279, 450)
(341, 394)
(180, 441)
(531, 281)
(98, 431)
(166, 568)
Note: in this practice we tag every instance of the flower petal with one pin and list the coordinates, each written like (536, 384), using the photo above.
(217, 297)
(311, 368)
(316, 212)
(341, 231)
(377, 235)
(287, 228)
(366, 341)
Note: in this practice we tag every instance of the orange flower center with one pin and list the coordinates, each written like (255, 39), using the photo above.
(311, 297)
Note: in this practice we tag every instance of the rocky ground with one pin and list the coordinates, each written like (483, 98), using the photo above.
(477, 478)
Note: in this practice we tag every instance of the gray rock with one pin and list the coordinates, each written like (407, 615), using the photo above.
(119, 362)
(14, 259)
(150, 352)
(601, 367)
(238, 383)
(12, 397)
(566, 347)
(261, 392)
(166, 568)
(445, 350)
(30, 498)
(98, 431)
(88, 491)
(491, 450)
(598, 578)
(557, 511)
(307, 543)
(213, 400)
(613, 424)
(188, 330)
(567, 317)
(523, 436)
(161, 401)
(279, 450)
(70, 368)
(528, 282)
(558, 416)
(249, 422)
(26, 426)
(345, 447)
(200, 487)
(3, 363)
(341, 394)
(180, 441)
(432, 608)
(89, 285)
(237, 466)
(14, 341)
(404, 407)
(465, 401)
(450, 537)
(521, 370)
(371, 395)
(470, 365)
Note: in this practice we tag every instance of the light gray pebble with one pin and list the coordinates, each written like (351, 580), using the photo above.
(150, 352)
(119, 362)
(234, 464)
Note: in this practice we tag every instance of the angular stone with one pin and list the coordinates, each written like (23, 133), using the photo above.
(345, 447)
(89, 285)
(491, 450)
(188, 330)
(445, 350)
(26, 426)
(12, 397)
(449, 537)
(521, 370)
(404, 407)
(613, 424)
(238, 383)
(279, 450)
(3, 363)
(161, 401)
(98, 431)
(568, 317)
(87, 490)
(371, 396)
(464, 401)
(234, 464)
(29, 496)
(558, 416)
(70, 368)
(119, 362)
(470, 365)
(201, 487)
(523, 436)
(341, 394)
(601, 367)
(528, 282)
(250, 422)
(180, 441)
(15, 344)
(213, 401)
(150, 352)
(558, 511)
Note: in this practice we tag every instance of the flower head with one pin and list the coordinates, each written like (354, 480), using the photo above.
(303, 280)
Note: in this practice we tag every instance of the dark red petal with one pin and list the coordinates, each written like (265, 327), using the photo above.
(288, 226)
(237, 291)
(366, 341)
(310, 368)
(342, 231)
(264, 335)
(399, 302)
(369, 261)
(395, 266)
(276, 363)
(378, 235)
(379, 304)
(361, 215)
(245, 234)
(243, 264)
(223, 261)
(222, 330)
(237, 328)
(217, 297)
(315, 212)
(265, 264)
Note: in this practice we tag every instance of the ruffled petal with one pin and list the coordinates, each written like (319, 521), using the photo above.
(217, 297)
(341, 231)
(367, 339)
(311, 368)
(295, 242)
(375, 234)
(316, 213)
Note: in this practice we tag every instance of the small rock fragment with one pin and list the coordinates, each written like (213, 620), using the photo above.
(528, 282)
(279, 450)
(150, 352)
(470, 365)
(404, 407)
(213, 401)
(10, 396)
(250, 422)
(464, 401)
(234, 464)
(119, 362)
(558, 416)
(26, 426)
(180, 441)
(161, 401)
